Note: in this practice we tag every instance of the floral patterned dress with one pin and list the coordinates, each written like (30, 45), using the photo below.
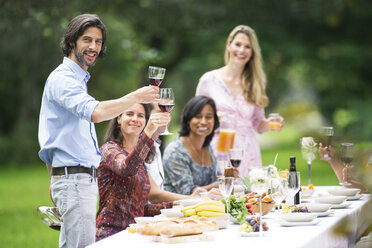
(181, 172)
(124, 186)
(248, 117)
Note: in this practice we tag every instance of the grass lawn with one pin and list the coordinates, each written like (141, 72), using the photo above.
(24, 188)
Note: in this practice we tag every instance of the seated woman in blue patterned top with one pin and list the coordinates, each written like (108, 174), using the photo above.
(189, 162)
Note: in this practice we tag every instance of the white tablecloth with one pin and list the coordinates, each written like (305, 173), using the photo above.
(320, 235)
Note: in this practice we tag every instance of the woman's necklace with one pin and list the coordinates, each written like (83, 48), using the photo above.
(193, 147)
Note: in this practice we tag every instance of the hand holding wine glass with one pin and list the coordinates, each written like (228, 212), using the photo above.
(346, 155)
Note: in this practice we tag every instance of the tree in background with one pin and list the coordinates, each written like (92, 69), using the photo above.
(316, 54)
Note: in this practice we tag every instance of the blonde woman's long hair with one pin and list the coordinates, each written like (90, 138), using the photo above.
(253, 76)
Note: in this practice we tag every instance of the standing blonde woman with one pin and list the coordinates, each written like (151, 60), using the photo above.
(238, 88)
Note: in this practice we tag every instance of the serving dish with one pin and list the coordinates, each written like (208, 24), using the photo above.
(318, 207)
(190, 202)
(171, 212)
(298, 217)
(308, 223)
(330, 199)
(340, 190)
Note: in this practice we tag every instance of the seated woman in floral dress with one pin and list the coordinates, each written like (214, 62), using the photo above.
(125, 188)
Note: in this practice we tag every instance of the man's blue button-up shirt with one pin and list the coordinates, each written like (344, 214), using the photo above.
(67, 136)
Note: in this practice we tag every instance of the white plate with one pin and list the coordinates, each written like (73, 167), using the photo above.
(330, 199)
(318, 207)
(134, 225)
(171, 212)
(323, 214)
(252, 234)
(340, 190)
(144, 220)
(342, 205)
(190, 202)
(354, 198)
(298, 217)
(310, 223)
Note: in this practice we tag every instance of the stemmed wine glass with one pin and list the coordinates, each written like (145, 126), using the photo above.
(327, 133)
(166, 103)
(346, 154)
(278, 187)
(236, 156)
(156, 75)
(308, 150)
(225, 183)
(293, 185)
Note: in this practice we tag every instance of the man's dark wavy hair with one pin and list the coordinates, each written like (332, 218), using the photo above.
(77, 27)
(192, 108)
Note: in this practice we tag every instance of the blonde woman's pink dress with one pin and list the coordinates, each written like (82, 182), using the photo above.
(248, 117)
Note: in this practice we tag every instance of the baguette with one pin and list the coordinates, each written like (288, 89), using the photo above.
(178, 227)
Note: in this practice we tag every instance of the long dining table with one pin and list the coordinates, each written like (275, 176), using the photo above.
(320, 235)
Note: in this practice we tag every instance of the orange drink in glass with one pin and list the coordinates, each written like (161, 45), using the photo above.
(226, 140)
(274, 122)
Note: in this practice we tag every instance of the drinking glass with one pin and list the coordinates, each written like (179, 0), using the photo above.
(236, 156)
(309, 154)
(156, 75)
(227, 133)
(226, 185)
(293, 185)
(346, 155)
(166, 104)
(274, 121)
(278, 187)
(327, 134)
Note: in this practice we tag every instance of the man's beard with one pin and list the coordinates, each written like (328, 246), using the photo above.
(80, 58)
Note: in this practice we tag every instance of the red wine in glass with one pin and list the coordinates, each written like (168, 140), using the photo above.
(235, 162)
(155, 81)
(166, 107)
(346, 160)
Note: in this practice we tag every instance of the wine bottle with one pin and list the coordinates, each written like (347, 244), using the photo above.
(292, 168)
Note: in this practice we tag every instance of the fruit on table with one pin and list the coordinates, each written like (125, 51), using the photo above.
(294, 209)
(252, 224)
(205, 209)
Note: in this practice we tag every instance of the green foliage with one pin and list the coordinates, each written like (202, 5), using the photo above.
(316, 55)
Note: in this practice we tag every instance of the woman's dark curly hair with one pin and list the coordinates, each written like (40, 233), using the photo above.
(77, 27)
(114, 134)
(192, 108)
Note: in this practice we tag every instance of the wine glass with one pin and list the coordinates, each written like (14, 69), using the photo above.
(166, 103)
(156, 75)
(226, 185)
(346, 154)
(278, 187)
(236, 156)
(293, 185)
(327, 134)
(220, 168)
(309, 154)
